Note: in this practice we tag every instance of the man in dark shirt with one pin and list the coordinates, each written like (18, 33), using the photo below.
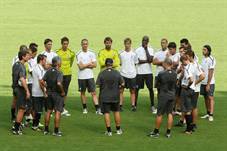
(110, 81)
(52, 82)
(20, 87)
(166, 82)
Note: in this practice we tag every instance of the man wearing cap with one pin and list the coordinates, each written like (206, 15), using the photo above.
(110, 82)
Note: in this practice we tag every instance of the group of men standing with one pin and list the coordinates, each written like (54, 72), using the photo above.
(177, 79)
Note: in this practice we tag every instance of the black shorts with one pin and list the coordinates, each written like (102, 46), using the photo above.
(38, 104)
(130, 83)
(165, 106)
(66, 83)
(178, 90)
(186, 99)
(155, 82)
(88, 84)
(55, 102)
(108, 107)
(144, 78)
(205, 93)
(22, 102)
(195, 97)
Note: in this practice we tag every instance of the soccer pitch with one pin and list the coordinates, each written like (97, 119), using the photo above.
(201, 21)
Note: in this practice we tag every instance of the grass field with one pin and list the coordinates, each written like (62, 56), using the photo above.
(201, 21)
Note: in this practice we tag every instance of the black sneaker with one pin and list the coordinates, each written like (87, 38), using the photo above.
(154, 135)
(179, 124)
(16, 132)
(58, 134)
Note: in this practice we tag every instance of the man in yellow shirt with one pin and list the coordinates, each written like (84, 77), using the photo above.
(107, 52)
(67, 56)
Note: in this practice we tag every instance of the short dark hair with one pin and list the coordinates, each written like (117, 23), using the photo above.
(128, 40)
(22, 52)
(183, 58)
(208, 47)
(55, 61)
(33, 47)
(190, 53)
(47, 41)
(172, 45)
(84, 40)
(108, 39)
(145, 38)
(63, 39)
(109, 62)
(184, 40)
(40, 57)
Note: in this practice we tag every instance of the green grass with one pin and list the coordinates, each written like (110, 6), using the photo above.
(202, 21)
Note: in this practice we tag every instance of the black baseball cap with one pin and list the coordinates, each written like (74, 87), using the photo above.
(109, 62)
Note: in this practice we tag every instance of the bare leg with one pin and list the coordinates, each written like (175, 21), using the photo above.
(170, 121)
(158, 121)
(117, 118)
(107, 119)
(133, 97)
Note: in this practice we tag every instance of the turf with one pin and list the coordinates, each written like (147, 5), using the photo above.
(201, 21)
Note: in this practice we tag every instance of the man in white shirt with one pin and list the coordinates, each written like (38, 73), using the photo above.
(174, 55)
(159, 57)
(128, 61)
(86, 61)
(37, 91)
(208, 84)
(144, 70)
(50, 54)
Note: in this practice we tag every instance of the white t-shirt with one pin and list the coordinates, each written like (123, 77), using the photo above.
(50, 55)
(31, 64)
(37, 74)
(160, 55)
(197, 72)
(188, 73)
(144, 68)
(208, 63)
(175, 57)
(85, 58)
(128, 63)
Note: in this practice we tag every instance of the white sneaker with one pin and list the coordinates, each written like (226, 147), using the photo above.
(108, 133)
(204, 116)
(211, 118)
(119, 132)
(98, 112)
(153, 110)
(85, 111)
(41, 125)
(65, 113)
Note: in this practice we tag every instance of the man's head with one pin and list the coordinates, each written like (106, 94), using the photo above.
(191, 55)
(109, 62)
(181, 51)
(108, 43)
(23, 53)
(127, 43)
(145, 41)
(41, 59)
(33, 48)
(84, 44)
(168, 63)
(207, 50)
(56, 62)
(172, 48)
(185, 60)
(48, 44)
(65, 43)
(184, 42)
(164, 43)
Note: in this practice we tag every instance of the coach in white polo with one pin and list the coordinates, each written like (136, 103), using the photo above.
(144, 70)
(37, 92)
(50, 54)
(86, 61)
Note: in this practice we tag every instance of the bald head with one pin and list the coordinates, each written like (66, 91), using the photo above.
(145, 41)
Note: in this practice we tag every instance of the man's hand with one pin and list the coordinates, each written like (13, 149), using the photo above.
(62, 94)
(207, 87)
(27, 95)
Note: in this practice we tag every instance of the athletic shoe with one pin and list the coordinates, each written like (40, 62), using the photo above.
(15, 132)
(65, 113)
(188, 132)
(85, 111)
(36, 128)
(211, 118)
(46, 132)
(179, 124)
(108, 133)
(59, 134)
(168, 135)
(154, 135)
(133, 109)
(119, 132)
(204, 116)
(41, 125)
(98, 112)
(153, 110)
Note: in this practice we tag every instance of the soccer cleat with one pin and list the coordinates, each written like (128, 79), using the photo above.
(133, 109)
(168, 135)
(36, 128)
(119, 132)
(41, 125)
(16, 132)
(188, 132)
(65, 113)
(154, 135)
(59, 134)
(98, 112)
(153, 110)
(204, 116)
(211, 118)
(85, 111)
(46, 132)
(108, 133)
